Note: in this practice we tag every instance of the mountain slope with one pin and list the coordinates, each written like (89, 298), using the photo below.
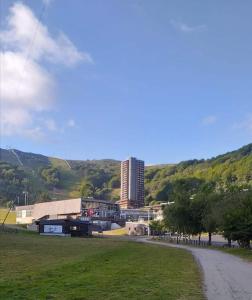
(47, 178)
(52, 178)
(233, 168)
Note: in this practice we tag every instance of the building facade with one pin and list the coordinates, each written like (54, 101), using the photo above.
(136, 214)
(136, 228)
(132, 183)
(67, 209)
(63, 227)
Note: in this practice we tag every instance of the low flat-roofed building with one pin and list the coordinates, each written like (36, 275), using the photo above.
(67, 209)
(136, 228)
(24, 214)
(50, 210)
(61, 209)
(65, 227)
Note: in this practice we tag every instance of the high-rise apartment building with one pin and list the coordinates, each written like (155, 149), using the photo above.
(132, 183)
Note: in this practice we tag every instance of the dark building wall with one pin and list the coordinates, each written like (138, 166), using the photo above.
(65, 227)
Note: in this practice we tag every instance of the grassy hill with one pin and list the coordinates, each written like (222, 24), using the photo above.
(48, 178)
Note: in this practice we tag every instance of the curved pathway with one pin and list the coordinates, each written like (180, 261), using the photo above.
(226, 277)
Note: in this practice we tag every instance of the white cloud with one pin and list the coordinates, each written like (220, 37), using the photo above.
(13, 119)
(29, 36)
(209, 120)
(183, 27)
(71, 123)
(27, 88)
(24, 83)
(19, 122)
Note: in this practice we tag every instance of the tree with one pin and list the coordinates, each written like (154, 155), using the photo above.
(43, 196)
(114, 182)
(180, 217)
(13, 181)
(87, 190)
(237, 218)
(157, 227)
(51, 176)
(185, 215)
(209, 215)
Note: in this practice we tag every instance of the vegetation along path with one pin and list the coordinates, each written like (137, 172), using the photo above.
(226, 277)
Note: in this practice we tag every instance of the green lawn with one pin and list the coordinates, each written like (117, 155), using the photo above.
(243, 253)
(11, 217)
(36, 267)
(119, 231)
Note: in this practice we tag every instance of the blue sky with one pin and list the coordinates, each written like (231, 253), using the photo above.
(161, 80)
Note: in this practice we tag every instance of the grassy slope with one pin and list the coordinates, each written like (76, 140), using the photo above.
(69, 180)
(11, 217)
(34, 267)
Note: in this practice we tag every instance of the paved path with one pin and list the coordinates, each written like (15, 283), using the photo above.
(226, 277)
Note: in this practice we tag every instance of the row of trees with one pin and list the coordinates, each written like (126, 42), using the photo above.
(205, 208)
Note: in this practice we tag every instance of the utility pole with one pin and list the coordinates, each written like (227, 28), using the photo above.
(10, 208)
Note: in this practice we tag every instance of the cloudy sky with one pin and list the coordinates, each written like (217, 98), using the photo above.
(161, 80)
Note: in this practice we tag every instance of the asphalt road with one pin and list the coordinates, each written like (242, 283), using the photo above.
(226, 277)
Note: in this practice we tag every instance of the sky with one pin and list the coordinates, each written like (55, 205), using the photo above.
(164, 81)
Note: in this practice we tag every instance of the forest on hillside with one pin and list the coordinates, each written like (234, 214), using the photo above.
(48, 178)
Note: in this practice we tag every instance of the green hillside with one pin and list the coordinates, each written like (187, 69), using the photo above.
(48, 178)
(233, 168)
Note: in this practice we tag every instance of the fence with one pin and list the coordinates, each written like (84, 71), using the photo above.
(190, 242)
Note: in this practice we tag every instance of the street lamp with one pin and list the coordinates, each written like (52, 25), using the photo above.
(149, 210)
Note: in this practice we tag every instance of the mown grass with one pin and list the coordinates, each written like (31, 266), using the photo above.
(119, 231)
(243, 253)
(35, 267)
(11, 219)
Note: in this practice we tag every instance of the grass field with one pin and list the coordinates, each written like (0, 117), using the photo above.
(11, 217)
(35, 267)
(243, 253)
(119, 231)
